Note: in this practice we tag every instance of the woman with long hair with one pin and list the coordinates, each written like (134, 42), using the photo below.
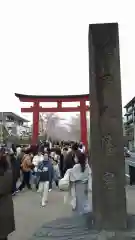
(80, 178)
(7, 223)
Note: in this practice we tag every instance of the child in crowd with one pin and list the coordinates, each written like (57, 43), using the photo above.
(36, 160)
(56, 172)
(45, 171)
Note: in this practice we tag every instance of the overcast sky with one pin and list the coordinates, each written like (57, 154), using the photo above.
(44, 46)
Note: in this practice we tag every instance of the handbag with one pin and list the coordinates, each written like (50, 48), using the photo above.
(64, 182)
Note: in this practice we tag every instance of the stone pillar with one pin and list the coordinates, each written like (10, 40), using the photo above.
(107, 150)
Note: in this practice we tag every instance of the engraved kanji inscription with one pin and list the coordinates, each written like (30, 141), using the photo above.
(106, 78)
(107, 145)
(108, 179)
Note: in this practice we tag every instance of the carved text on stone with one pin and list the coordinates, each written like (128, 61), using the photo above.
(108, 179)
(107, 145)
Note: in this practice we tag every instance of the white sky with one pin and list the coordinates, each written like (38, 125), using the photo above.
(44, 46)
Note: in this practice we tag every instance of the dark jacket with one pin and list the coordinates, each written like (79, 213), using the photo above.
(61, 165)
(45, 171)
(69, 161)
(15, 165)
(7, 223)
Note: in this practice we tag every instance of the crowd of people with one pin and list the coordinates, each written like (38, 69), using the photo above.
(37, 167)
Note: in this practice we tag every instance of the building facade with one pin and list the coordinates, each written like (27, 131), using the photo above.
(13, 124)
(129, 123)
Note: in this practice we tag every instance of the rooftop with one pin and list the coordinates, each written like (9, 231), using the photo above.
(13, 115)
(130, 102)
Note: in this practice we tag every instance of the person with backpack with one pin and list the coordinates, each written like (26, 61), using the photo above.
(45, 172)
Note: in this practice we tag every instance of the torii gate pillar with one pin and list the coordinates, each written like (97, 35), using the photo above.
(83, 123)
(35, 123)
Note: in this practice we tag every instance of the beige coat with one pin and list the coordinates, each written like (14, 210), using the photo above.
(26, 163)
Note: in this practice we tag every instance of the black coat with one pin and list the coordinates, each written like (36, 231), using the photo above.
(7, 223)
(15, 166)
(69, 161)
(62, 165)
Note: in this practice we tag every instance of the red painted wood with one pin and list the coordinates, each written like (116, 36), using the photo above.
(59, 104)
(83, 108)
(64, 109)
(83, 122)
(28, 110)
(70, 99)
(35, 123)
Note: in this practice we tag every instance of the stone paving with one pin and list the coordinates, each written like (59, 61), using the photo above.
(30, 216)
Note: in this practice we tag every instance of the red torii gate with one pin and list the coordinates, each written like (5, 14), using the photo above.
(36, 109)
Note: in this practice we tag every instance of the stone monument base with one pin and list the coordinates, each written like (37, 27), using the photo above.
(81, 227)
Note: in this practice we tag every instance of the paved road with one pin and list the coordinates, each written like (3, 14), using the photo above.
(30, 216)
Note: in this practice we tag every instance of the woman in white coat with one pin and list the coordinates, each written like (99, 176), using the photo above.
(80, 185)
